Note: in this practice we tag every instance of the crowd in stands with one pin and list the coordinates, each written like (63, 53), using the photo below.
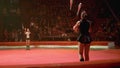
(53, 20)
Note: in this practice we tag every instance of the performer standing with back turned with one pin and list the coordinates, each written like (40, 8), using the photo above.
(84, 38)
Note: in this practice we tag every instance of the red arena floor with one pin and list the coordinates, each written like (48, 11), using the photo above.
(58, 58)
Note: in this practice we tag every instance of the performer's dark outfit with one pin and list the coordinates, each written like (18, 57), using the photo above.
(84, 35)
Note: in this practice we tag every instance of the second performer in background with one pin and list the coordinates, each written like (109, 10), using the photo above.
(27, 33)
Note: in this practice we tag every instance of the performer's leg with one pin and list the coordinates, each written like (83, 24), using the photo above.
(28, 44)
(86, 53)
(81, 48)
